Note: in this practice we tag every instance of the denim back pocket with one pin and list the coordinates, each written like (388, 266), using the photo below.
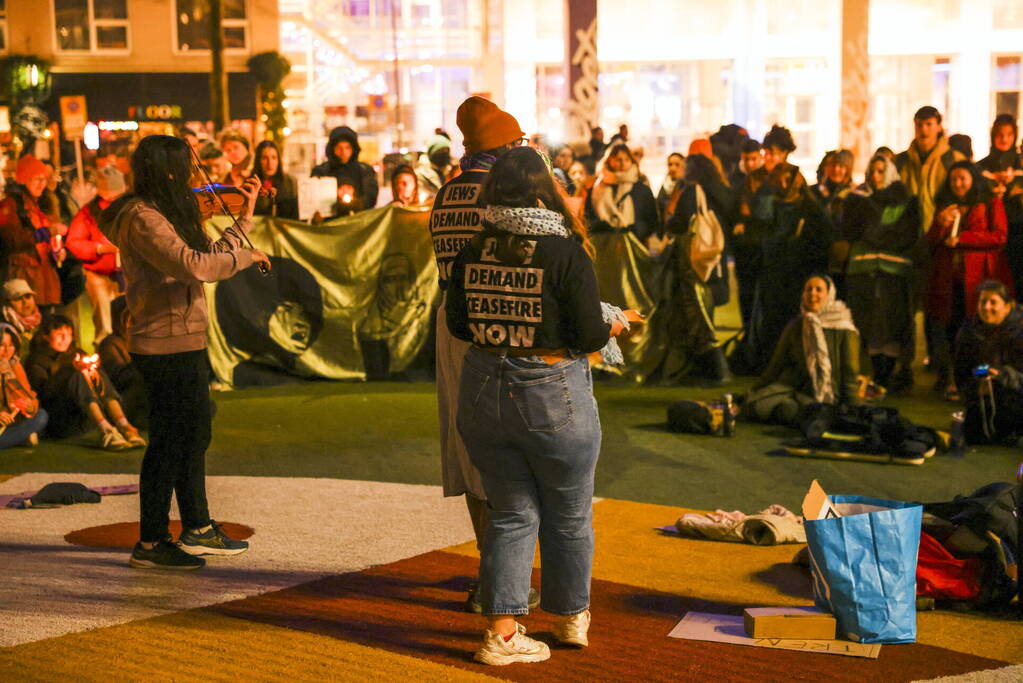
(544, 403)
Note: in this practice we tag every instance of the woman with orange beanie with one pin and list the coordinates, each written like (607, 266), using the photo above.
(32, 247)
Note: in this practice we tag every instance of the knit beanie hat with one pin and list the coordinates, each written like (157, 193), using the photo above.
(109, 179)
(29, 167)
(437, 143)
(485, 126)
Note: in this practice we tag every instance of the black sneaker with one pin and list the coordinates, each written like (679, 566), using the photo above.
(163, 555)
(213, 541)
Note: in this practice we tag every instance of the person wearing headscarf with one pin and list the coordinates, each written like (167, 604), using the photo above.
(620, 201)
(816, 360)
(795, 238)
(880, 223)
(967, 240)
(1003, 172)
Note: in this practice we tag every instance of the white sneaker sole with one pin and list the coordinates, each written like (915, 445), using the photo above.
(578, 641)
(147, 564)
(492, 659)
(200, 550)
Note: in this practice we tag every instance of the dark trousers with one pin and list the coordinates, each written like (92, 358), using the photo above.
(177, 386)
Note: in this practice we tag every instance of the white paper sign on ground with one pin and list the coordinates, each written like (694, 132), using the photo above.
(724, 628)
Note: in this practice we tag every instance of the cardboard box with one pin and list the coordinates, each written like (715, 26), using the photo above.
(789, 622)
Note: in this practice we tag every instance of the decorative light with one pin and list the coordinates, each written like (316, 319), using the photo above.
(91, 136)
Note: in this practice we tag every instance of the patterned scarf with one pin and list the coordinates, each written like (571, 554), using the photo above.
(477, 161)
(833, 315)
(537, 222)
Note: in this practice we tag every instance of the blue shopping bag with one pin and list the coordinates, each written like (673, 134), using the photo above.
(863, 565)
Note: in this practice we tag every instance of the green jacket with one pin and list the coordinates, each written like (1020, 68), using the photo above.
(788, 363)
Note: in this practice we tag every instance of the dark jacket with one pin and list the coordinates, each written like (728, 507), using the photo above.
(285, 203)
(49, 369)
(1000, 346)
(550, 302)
(359, 175)
(881, 229)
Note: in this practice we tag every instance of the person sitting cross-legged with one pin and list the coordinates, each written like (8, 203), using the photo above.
(75, 390)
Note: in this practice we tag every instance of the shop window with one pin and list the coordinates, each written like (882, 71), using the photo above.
(193, 25)
(91, 25)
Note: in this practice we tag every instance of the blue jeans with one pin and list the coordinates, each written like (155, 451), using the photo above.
(533, 432)
(17, 433)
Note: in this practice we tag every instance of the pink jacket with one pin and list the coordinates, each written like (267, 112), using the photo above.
(166, 301)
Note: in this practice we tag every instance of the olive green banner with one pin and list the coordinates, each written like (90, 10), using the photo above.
(353, 298)
(346, 299)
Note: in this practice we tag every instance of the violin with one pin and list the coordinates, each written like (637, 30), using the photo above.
(217, 199)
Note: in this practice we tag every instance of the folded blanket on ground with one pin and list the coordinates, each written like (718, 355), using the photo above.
(53, 495)
(772, 526)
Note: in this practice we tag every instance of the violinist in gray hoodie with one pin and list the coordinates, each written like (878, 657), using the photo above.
(167, 257)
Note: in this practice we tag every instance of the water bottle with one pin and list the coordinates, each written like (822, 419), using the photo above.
(957, 435)
(728, 418)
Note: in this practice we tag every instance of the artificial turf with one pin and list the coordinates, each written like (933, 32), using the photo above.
(388, 432)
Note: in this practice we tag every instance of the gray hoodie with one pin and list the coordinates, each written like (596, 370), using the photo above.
(166, 301)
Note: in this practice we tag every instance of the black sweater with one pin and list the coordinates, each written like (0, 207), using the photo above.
(550, 302)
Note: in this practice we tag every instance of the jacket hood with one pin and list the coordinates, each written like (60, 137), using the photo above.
(110, 220)
(348, 135)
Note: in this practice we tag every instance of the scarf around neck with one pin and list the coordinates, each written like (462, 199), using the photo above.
(22, 325)
(612, 197)
(833, 315)
(539, 222)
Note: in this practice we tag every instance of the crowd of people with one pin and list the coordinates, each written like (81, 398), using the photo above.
(830, 277)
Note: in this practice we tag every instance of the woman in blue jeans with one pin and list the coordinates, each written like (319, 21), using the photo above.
(524, 292)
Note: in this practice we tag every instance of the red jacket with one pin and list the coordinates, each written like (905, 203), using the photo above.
(979, 256)
(84, 236)
(26, 259)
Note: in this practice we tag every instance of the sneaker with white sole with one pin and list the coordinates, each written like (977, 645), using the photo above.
(497, 651)
(213, 541)
(572, 630)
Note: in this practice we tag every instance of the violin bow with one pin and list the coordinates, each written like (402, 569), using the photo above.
(211, 188)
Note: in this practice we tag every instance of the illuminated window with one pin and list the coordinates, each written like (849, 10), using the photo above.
(3, 25)
(91, 25)
(1008, 82)
(193, 25)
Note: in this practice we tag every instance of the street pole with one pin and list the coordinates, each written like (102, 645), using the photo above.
(219, 112)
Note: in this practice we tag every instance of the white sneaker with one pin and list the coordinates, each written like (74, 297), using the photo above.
(521, 648)
(572, 630)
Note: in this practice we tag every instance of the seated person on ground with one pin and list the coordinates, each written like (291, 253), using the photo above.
(115, 359)
(21, 312)
(816, 360)
(989, 367)
(74, 390)
(21, 419)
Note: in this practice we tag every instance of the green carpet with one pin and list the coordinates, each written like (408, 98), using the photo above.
(388, 432)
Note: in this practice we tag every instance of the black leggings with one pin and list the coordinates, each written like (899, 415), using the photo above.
(177, 386)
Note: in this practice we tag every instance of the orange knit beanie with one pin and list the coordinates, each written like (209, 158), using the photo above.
(485, 126)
